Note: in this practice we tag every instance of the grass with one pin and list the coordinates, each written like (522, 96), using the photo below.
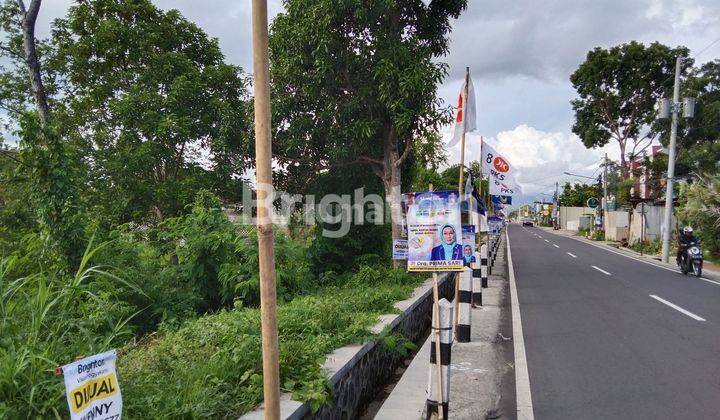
(211, 367)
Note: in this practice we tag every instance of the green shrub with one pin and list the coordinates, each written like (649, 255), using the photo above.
(598, 235)
(48, 319)
(648, 247)
(212, 366)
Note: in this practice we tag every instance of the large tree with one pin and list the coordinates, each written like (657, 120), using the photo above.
(618, 89)
(144, 95)
(355, 82)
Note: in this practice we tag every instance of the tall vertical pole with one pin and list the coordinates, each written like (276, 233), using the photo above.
(671, 164)
(460, 187)
(263, 173)
(605, 195)
(557, 205)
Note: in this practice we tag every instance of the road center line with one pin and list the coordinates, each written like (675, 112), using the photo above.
(674, 270)
(601, 270)
(679, 309)
(572, 255)
(555, 245)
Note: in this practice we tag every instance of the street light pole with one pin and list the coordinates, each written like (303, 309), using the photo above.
(671, 163)
(605, 196)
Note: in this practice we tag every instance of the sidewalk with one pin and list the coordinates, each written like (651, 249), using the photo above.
(710, 271)
(482, 376)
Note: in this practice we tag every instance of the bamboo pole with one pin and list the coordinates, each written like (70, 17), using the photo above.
(460, 193)
(266, 251)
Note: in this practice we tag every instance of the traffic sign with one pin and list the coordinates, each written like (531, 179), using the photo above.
(592, 202)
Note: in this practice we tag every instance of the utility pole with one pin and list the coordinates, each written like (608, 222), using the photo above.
(674, 108)
(605, 195)
(266, 246)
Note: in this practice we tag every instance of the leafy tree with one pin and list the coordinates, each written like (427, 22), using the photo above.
(701, 209)
(618, 89)
(49, 167)
(142, 101)
(698, 139)
(576, 195)
(355, 82)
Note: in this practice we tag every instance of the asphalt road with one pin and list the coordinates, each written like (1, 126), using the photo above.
(610, 337)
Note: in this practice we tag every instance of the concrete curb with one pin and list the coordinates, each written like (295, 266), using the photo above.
(358, 371)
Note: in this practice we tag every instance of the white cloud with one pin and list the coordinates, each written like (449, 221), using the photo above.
(540, 157)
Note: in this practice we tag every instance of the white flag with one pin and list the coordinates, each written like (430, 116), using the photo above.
(493, 163)
(505, 186)
(465, 116)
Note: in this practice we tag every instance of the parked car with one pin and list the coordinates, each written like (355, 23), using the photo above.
(526, 221)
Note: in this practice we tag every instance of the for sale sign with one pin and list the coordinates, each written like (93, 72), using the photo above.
(92, 389)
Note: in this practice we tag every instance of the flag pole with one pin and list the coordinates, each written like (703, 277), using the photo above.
(266, 246)
(460, 187)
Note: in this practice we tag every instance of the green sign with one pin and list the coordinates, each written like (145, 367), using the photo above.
(592, 202)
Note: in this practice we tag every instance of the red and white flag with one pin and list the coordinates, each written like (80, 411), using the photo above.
(465, 118)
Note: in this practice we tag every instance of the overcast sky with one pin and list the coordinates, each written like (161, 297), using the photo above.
(520, 55)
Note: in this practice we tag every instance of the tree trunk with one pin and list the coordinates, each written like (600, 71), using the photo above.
(623, 162)
(391, 177)
(31, 60)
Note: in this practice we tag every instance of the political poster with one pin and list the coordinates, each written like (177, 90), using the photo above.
(434, 232)
(468, 243)
(501, 199)
(92, 388)
(495, 224)
(503, 185)
(400, 249)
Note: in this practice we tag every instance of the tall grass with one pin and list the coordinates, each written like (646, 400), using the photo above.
(48, 319)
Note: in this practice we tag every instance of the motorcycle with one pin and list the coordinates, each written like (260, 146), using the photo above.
(692, 259)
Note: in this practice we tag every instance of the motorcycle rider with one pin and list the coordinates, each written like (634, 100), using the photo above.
(685, 239)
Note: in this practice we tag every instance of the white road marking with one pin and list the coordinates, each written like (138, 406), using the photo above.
(555, 245)
(601, 270)
(636, 259)
(547, 241)
(679, 309)
(523, 396)
(572, 255)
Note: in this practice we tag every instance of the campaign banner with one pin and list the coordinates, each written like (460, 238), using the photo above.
(495, 224)
(468, 243)
(501, 199)
(501, 185)
(400, 249)
(92, 388)
(501, 173)
(434, 232)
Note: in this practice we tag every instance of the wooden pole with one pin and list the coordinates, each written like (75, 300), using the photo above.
(266, 249)
(460, 193)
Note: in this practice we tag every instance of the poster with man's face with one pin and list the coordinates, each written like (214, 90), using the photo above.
(434, 232)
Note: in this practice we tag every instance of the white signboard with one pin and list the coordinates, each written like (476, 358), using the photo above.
(92, 388)
(400, 249)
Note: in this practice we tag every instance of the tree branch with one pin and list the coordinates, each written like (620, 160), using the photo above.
(31, 60)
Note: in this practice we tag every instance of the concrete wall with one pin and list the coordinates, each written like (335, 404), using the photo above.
(573, 214)
(618, 224)
(358, 381)
(653, 222)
